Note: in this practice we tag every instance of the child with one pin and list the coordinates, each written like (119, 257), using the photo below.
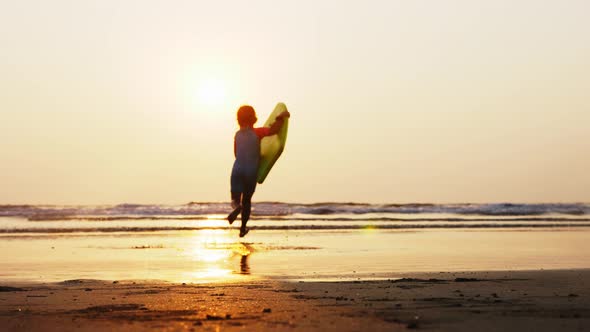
(245, 169)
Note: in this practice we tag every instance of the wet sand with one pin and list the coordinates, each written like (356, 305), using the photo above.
(484, 301)
(219, 255)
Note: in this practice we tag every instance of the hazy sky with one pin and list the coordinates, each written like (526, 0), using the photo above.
(391, 101)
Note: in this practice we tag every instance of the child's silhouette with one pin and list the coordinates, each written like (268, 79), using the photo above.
(245, 169)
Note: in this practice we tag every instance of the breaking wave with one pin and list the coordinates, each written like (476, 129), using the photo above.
(331, 227)
(277, 209)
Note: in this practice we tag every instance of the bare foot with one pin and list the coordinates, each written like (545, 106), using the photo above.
(244, 231)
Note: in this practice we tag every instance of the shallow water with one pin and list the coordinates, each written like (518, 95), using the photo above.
(218, 255)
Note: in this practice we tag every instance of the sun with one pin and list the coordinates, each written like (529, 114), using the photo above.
(211, 92)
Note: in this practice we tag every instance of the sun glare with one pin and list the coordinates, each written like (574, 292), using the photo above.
(212, 92)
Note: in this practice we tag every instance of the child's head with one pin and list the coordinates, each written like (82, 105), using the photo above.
(246, 116)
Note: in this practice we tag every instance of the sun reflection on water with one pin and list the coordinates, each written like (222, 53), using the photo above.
(211, 274)
(213, 221)
(217, 257)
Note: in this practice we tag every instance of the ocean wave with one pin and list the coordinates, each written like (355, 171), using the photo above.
(40, 212)
(331, 227)
(41, 218)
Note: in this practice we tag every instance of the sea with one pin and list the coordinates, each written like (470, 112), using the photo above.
(288, 216)
(290, 241)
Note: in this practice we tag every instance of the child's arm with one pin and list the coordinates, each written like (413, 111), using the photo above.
(278, 124)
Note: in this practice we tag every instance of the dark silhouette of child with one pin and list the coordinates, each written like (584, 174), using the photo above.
(245, 169)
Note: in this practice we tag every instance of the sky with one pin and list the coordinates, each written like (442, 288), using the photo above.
(106, 102)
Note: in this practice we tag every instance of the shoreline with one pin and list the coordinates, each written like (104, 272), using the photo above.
(545, 300)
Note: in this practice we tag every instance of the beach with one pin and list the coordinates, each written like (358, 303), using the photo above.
(483, 301)
(301, 268)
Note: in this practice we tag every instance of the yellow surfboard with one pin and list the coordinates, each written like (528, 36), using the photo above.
(271, 147)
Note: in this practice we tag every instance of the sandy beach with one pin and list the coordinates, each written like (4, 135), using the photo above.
(486, 301)
(292, 273)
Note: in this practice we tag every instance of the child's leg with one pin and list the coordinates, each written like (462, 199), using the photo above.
(235, 204)
(246, 208)
(235, 199)
(237, 187)
(249, 188)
